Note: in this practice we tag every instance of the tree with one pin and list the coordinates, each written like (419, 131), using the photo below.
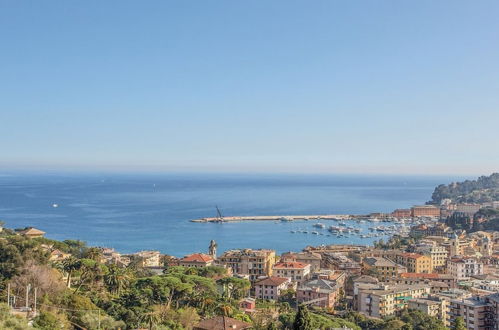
(458, 324)
(116, 279)
(70, 265)
(303, 320)
(50, 321)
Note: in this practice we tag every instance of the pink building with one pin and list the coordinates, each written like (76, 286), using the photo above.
(271, 287)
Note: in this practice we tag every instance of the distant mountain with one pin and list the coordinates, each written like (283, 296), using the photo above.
(484, 189)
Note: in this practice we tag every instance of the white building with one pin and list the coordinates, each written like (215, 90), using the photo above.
(461, 268)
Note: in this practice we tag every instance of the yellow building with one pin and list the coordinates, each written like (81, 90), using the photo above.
(415, 263)
(248, 262)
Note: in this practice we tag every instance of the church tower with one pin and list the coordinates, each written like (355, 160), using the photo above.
(212, 249)
(455, 246)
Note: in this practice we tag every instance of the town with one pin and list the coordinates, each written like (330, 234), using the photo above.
(443, 267)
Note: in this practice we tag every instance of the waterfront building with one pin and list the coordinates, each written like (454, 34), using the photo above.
(196, 260)
(149, 258)
(386, 300)
(425, 211)
(414, 262)
(311, 258)
(248, 262)
(401, 213)
(296, 271)
(271, 287)
(384, 268)
(462, 268)
(318, 292)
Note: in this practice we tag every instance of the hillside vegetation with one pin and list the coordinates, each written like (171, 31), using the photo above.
(484, 189)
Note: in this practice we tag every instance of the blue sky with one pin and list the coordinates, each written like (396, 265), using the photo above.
(300, 86)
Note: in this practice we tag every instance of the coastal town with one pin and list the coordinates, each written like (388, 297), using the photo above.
(445, 266)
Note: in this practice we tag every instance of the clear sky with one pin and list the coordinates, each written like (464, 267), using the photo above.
(302, 86)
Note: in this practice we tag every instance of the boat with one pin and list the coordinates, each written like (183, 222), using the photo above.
(320, 225)
(55, 205)
(315, 233)
(293, 231)
(286, 219)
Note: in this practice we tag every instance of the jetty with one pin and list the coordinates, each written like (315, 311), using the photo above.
(276, 218)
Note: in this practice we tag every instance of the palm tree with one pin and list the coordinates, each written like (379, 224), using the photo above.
(69, 265)
(116, 279)
(151, 319)
(225, 309)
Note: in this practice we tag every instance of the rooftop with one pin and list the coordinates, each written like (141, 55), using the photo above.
(272, 280)
(197, 257)
(290, 265)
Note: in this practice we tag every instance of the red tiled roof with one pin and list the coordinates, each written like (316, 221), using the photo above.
(197, 257)
(222, 323)
(273, 280)
(290, 265)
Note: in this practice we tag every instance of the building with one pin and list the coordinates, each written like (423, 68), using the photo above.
(31, 232)
(222, 323)
(468, 209)
(401, 213)
(432, 307)
(294, 270)
(248, 262)
(415, 263)
(425, 211)
(311, 258)
(384, 268)
(462, 268)
(319, 292)
(438, 255)
(196, 260)
(149, 258)
(386, 300)
(271, 287)
(477, 313)
(58, 256)
(339, 261)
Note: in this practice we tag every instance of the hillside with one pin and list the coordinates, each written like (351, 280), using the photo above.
(484, 189)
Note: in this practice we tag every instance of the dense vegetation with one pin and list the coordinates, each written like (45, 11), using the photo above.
(484, 189)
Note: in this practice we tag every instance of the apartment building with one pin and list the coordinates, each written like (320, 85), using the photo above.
(415, 262)
(384, 268)
(461, 268)
(477, 312)
(249, 262)
(271, 287)
(386, 300)
(149, 258)
(294, 270)
(319, 292)
(425, 211)
(311, 258)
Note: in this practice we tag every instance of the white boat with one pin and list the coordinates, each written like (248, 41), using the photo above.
(55, 205)
(286, 219)
(320, 225)
(315, 233)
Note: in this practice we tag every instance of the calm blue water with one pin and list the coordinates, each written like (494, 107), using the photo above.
(136, 212)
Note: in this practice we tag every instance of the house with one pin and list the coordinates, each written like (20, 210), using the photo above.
(319, 292)
(248, 305)
(222, 323)
(31, 232)
(196, 260)
(57, 255)
(296, 271)
(271, 287)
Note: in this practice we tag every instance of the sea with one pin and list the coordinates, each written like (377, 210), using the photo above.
(144, 211)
